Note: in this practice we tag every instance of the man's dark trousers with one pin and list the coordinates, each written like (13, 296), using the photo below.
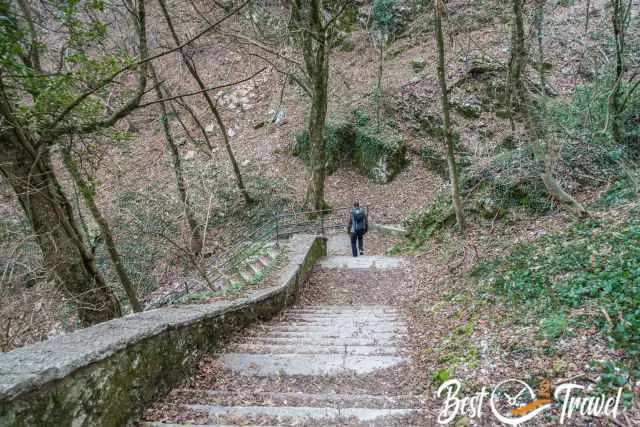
(356, 237)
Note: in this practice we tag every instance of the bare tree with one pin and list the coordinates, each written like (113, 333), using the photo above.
(309, 21)
(449, 141)
(191, 66)
(534, 111)
(87, 189)
(620, 19)
(195, 237)
(27, 134)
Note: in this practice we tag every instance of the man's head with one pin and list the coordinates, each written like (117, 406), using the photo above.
(356, 204)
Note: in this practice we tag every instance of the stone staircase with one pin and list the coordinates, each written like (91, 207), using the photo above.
(292, 370)
(252, 268)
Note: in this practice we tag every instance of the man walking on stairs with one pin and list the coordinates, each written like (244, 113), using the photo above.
(358, 227)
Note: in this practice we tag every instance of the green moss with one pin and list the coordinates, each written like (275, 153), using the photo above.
(379, 156)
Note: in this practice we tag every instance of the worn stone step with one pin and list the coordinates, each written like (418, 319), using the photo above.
(323, 342)
(247, 275)
(348, 329)
(349, 308)
(256, 267)
(361, 262)
(329, 334)
(267, 398)
(265, 260)
(273, 252)
(303, 322)
(306, 364)
(361, 350)
(300, 413)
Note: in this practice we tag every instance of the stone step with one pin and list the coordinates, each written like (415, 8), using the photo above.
(331, 332)
(297, 414)
(323, 342)
(273, 252)
(361, 262)
(247, 275)
(349, 308)
(267, 398)
(347, 315)
(348, 329)
(361, 350)
(306, 364)
(256, 266)
(302, 321)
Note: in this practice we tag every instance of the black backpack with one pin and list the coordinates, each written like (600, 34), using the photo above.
(358, 220)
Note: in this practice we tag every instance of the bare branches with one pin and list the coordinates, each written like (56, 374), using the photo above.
(140, 64)
(185, 95)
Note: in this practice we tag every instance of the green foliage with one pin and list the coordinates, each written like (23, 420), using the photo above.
(434, 216)
(589, 264)
(82, 29)
(382, 13)
(509, 181)
(554, 326)
(440, 376)
(622, 191)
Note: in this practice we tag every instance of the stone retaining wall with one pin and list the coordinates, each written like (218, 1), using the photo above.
(101, 376)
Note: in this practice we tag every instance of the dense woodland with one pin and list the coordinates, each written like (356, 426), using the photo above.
(140, 141)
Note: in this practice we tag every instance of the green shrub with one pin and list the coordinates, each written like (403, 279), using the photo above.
(510, 180)
(589, 264)
(435, 215)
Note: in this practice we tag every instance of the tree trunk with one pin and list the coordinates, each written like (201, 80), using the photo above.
(88, 195)
(315, 49)
(451, 161)
(212, 106)
(28, 170)
(533, 121)
(379, 97)
(317, 118)
(614, 96)
(195, 238)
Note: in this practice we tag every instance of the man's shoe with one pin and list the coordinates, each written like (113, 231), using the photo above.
(361, 252)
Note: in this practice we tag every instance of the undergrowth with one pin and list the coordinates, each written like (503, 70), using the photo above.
(594, 266)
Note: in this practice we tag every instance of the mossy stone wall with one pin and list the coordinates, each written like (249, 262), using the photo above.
(120, 371)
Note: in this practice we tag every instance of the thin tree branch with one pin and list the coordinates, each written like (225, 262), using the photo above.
(184, 95)
(139, 63)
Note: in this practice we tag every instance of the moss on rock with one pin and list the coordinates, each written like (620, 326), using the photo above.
(379, 156)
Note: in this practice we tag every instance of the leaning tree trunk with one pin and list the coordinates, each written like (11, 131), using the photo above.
(534, 114)
(28, 170)
(195, 238)
(451, 160)
(89, 197)
(212, 105)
